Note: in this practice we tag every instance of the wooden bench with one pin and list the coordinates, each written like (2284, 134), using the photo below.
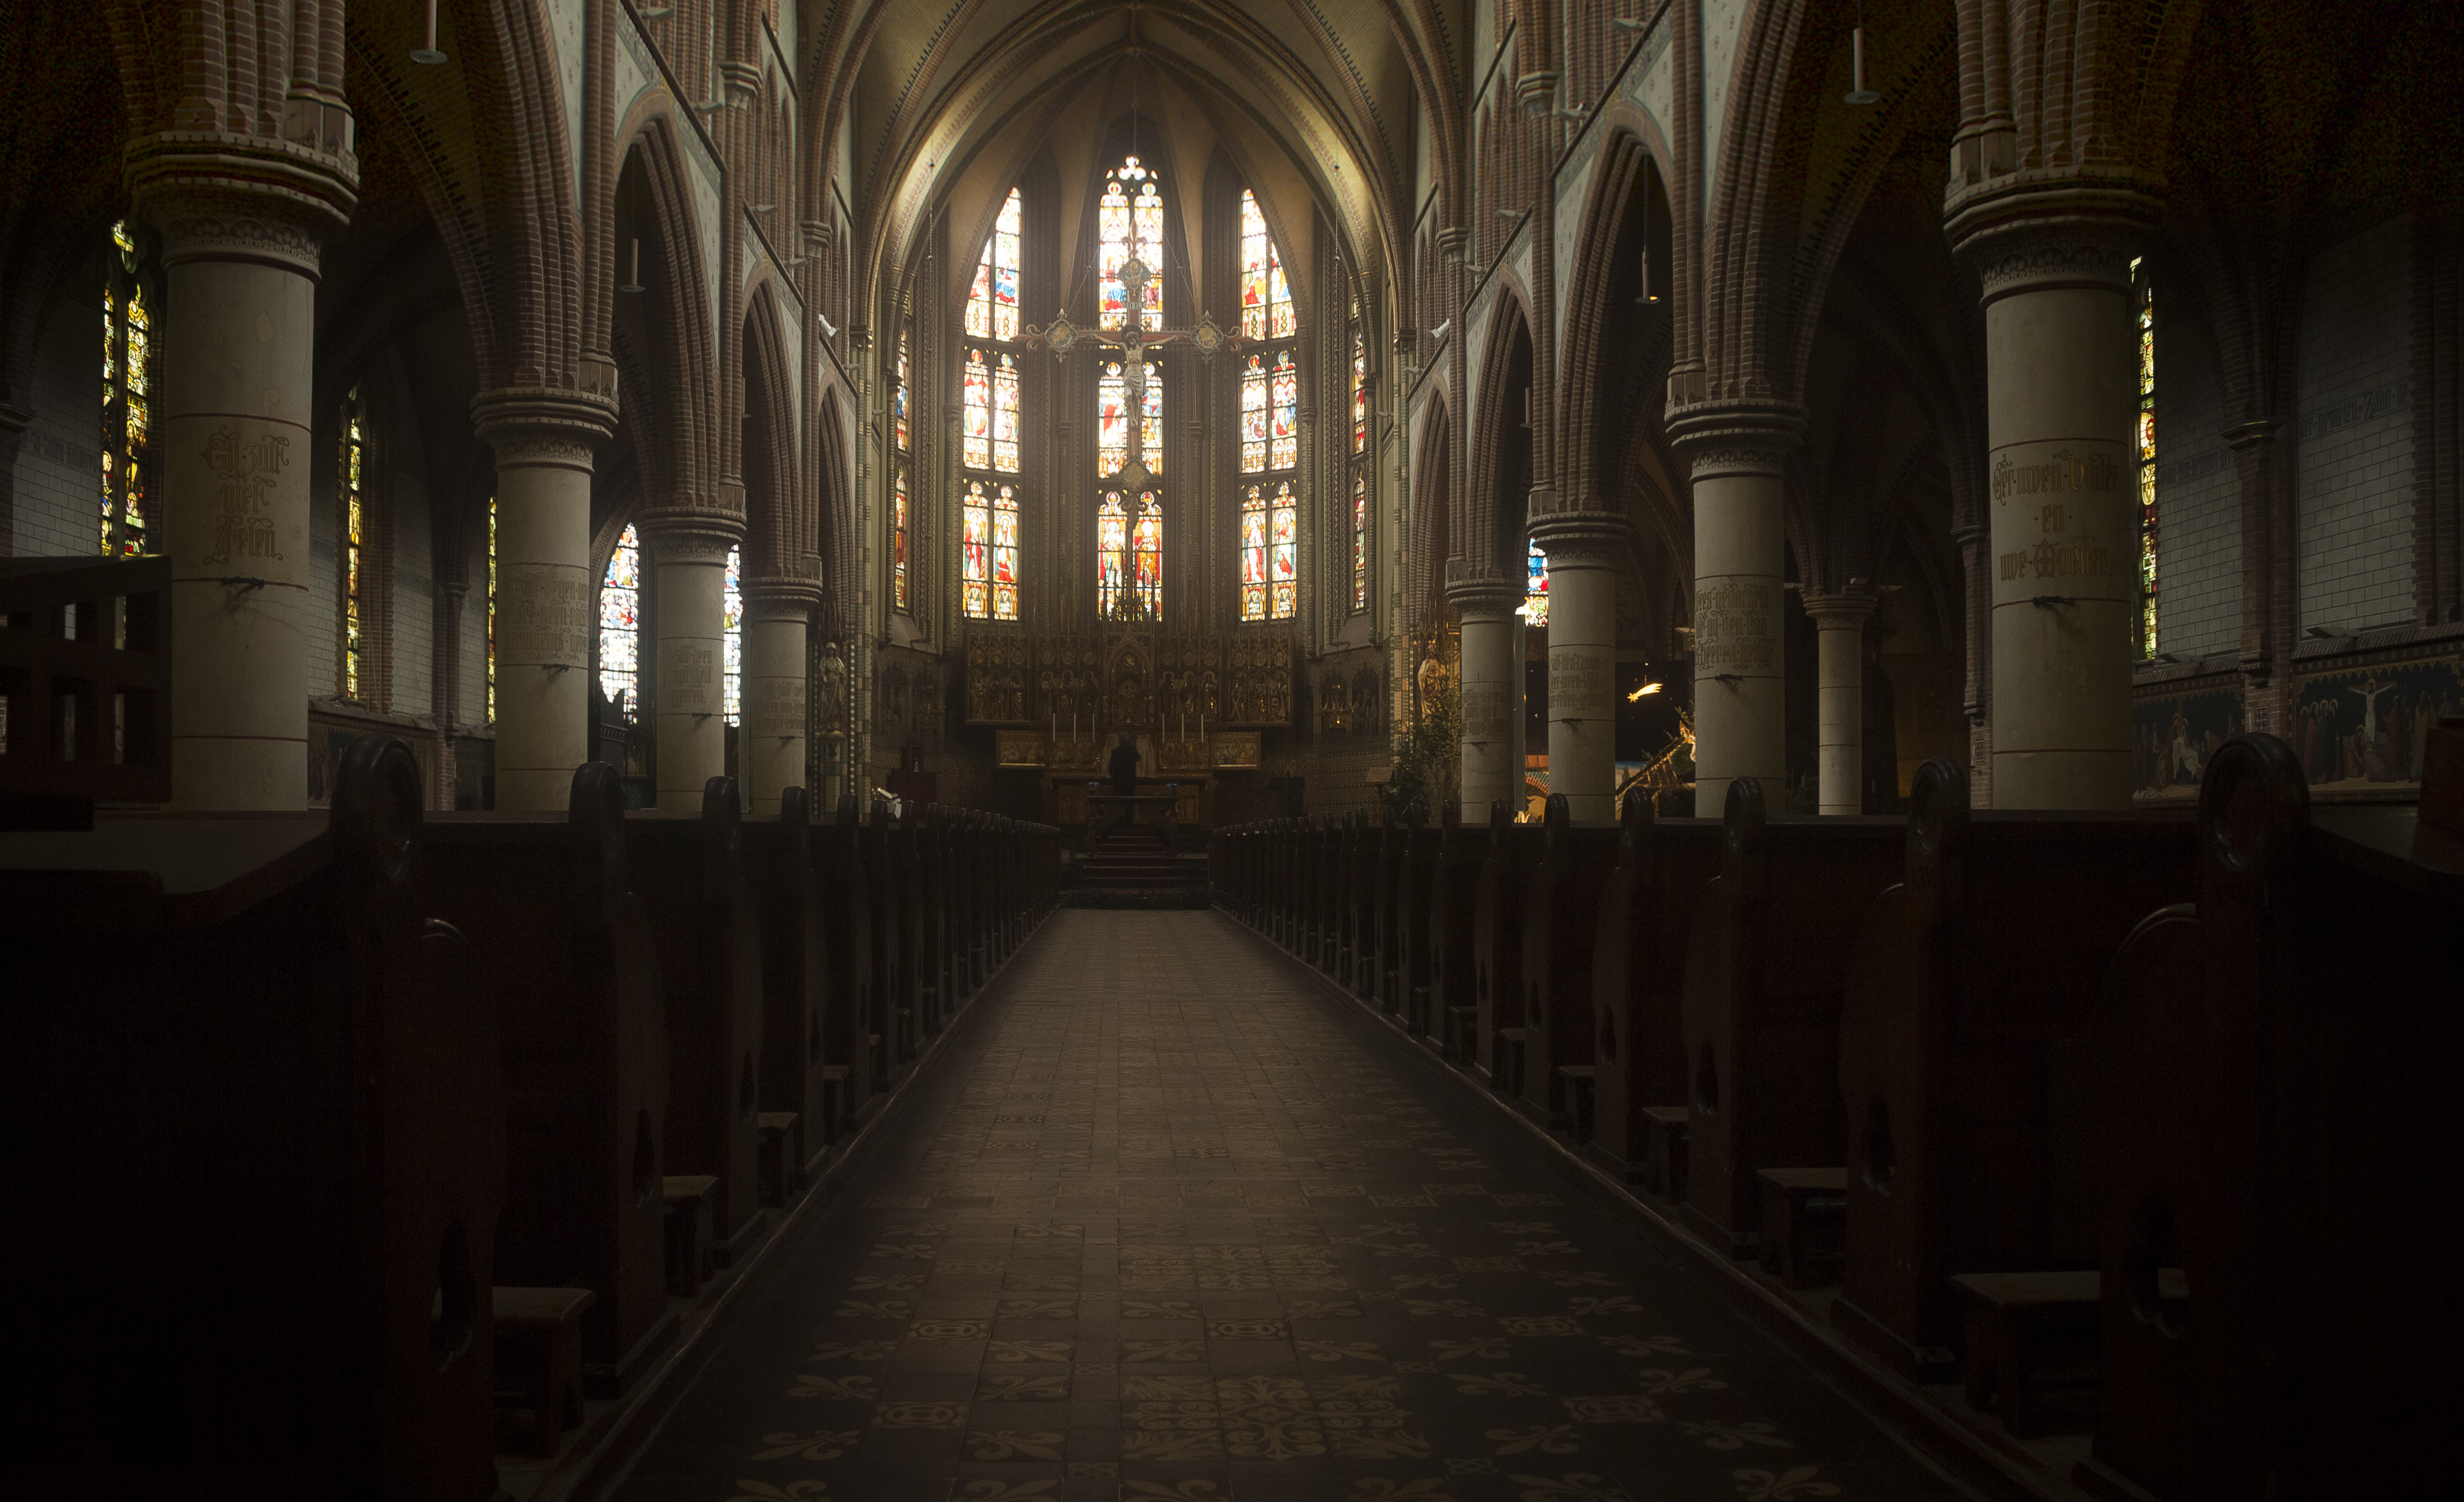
(1579, 1083)
(854, 1014)
(1497, 943)
(1560, 924)
(1764, 971)
(2277, 1066)
(788, 900)
(1402, 953)
(689, 871)
(538, 1357)
(1664, 1159)
(1372, 921)
(1963, 1073)
(1453, 1007)
(546, 900)
(1804, 1224)
(782, 1164)
(1638, 973)
(257, 1082)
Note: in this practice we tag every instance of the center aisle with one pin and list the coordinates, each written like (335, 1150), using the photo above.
(1167, 1221)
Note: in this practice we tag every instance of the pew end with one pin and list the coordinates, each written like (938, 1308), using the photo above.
(539, 1359)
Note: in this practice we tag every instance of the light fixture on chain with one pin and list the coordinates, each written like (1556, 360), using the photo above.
(428, 54)
(1857, 93)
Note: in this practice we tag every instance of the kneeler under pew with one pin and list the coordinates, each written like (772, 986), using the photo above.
(546, 900)
(1560, 921)
(2278, 1071)
(688, 871)
(1764, 970)
(1972, 992)
(798, 1079)
(258, 1083)
(1638, 974)
(1450, 1013)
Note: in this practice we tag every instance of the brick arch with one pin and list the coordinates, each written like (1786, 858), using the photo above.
(1600, 319)
(838, 537)
(1484, 540)
(1433, 486)
(781, 521)
(665, 342)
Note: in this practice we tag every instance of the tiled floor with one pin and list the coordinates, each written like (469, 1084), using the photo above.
(1168, 1222)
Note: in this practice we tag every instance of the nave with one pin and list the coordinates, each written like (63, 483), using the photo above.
(1169, 1218)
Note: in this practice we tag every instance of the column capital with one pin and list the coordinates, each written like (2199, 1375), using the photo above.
(781, 597)
(2043, 236)
(1736, 436)
(2250, 434)
(1582, 536)
(215, 195)
(1482, 596)
(689, 535)
(1841, 609)
(554, 426)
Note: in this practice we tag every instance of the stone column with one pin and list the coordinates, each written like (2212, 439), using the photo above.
(1840, 697)
(688, 552)
(242, 221)
(771, 745)
(1740, 562)
(547, 595)
(1582, 547)
(1492, 689)
(2062, 394)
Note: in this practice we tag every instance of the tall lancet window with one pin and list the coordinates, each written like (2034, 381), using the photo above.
(1359, 464)
(1270, 427)
(620, 626)
(898, 518)
(128, 397)
(1132, 208)
(1129, 529)
(988, 447)
(2146, 463)
(352, 535)
(730, 626)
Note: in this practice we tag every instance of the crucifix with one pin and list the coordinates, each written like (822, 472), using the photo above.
(1132, 338)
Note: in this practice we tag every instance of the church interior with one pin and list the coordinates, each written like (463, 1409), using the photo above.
(1232, 750)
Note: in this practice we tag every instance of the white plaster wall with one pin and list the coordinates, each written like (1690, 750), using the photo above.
(2352, 438)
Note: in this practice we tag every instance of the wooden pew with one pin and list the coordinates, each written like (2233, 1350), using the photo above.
(920, 833)
(688, 871)
(797, 1075)
(1765, 967)
(853, 1019)
(907, 868)
(1453, 1007)
(1497, 948)
(1560, 928)
(1335, 953)
(255, 1090)
(2277, 1071)
(1962, 1072)
(1391, 956)
(1373, 889)
(546, 901)
(1638, 972)
(893, 958)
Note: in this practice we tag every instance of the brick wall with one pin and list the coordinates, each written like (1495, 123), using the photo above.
(59, 463)
(2352, 439)
(2198, 505)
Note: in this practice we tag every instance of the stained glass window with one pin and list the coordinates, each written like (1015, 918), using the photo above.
(989, 403)
(898, 395)
(353, 530)
(1269, 552)
(898, 535)
(992, 304)
(1265, 297)
(2146, 463)
(1361, 540)
(620, 625)
(491, 610)
(731, 630)
(1113, 424)
(1270, 414)
(1535, 594)
(988, 567)
(127, 406)
(1133, 202)
(1359, 390)
(1129, 557)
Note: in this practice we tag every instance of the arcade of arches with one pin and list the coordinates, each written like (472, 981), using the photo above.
(1360, 405)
